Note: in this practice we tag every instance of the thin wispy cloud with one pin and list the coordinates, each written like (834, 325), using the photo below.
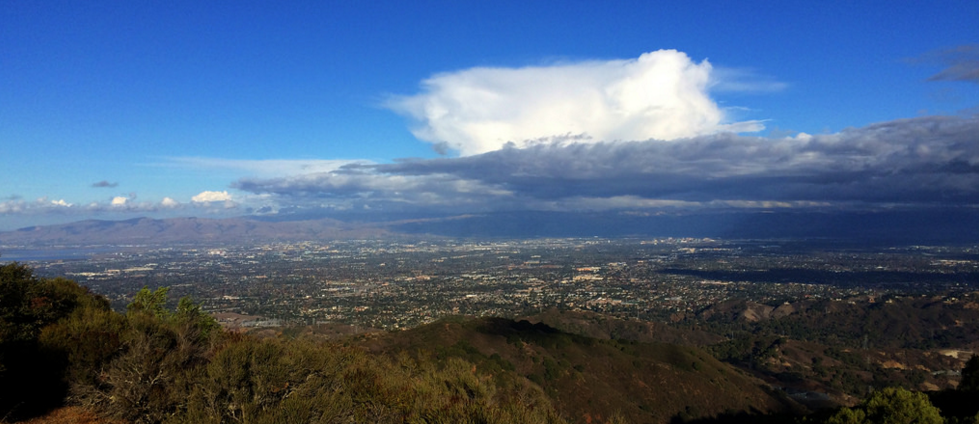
(261, 168)
(16, 205)
(104, 184)
(962, 64)
(661, 95)
(743, 80)
(959, 63)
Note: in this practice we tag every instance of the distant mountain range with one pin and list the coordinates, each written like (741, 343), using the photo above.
(908, 226)
(187, 230)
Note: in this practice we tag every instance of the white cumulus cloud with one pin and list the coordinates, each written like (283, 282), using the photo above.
(660, 95)
(211, 196)
(169, 203)
(119, 201)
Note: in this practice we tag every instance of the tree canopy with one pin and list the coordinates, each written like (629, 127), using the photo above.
(892, 405)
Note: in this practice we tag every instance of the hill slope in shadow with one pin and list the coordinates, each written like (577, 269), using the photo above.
(589, 379)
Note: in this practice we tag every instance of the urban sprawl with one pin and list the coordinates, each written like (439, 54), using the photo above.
(384, 284)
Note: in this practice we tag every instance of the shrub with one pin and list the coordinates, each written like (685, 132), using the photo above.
(32, 373)
(891, 405)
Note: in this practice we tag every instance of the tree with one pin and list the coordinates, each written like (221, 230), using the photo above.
(32, 372)
(150, 302)
(893, 406)
(160, 354)
(970, 375)
(189, 316)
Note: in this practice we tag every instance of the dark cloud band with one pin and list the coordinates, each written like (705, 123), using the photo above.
(930, 160)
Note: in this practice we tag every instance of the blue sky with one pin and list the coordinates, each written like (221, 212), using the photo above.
(114, 110)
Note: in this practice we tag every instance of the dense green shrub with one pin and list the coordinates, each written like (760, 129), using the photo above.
(253, 380)
(31, 371)
(893, 406)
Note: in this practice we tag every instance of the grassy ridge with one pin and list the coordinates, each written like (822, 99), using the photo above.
(587, 378)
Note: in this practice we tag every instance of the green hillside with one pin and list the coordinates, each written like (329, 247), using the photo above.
(61, 345)
(588, 379)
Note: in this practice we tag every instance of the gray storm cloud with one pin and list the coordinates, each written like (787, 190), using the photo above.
(922, 161)
(661, 95)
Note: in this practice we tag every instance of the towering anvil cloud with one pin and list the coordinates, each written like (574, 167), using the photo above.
(661, 95)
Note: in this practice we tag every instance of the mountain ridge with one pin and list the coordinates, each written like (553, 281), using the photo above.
(948, 225)
(188, 230)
